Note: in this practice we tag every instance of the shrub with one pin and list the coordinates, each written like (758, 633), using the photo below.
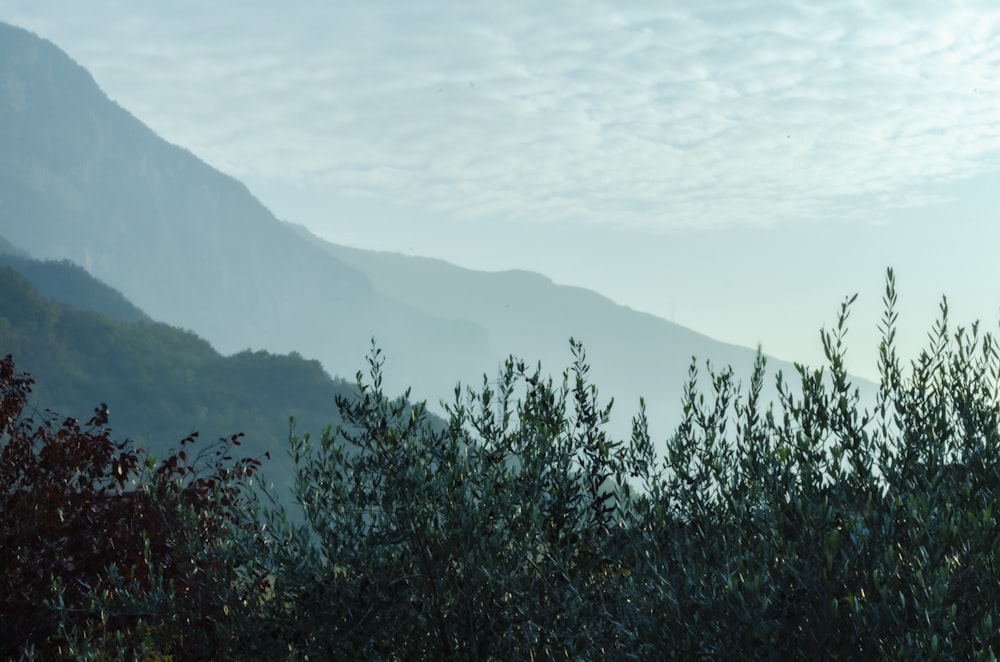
(813, 526)
(99, 543)
(484, 537)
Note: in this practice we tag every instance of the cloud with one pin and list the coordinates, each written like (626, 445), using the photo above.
(625, 113)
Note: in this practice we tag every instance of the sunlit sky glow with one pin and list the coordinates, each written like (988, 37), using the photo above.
(736, 166)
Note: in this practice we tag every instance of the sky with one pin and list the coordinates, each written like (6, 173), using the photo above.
(735, 167)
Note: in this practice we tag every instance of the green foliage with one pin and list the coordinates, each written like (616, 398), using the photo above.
(812, 526)
(69, 283)
(806, 527)
(483, 537)
(821, 529)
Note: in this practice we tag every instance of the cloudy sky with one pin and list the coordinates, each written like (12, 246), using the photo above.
(737, 167)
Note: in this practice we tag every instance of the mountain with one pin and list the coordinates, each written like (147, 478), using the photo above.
(82, 179)
(70, 283)
(632, 354)
(9, 249)
(160, 383)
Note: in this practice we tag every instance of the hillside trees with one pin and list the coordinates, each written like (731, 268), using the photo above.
(161, 382)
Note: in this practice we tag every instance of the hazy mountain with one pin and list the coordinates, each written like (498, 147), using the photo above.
(632, 354)
(82, 179)
(69, 283)
(7, 248)
(160, 383)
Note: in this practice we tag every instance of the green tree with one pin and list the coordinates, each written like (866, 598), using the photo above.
(482, 538)
(810, 526)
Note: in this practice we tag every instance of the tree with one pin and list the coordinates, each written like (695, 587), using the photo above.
(100, 543)
(811, 526)
(484, 538)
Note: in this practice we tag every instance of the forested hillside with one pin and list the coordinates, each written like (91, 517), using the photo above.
(70, 283)
(160, 383)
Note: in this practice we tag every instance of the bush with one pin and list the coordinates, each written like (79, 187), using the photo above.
(485, 537)
(822, 529)
(809, 527)
(101, 546)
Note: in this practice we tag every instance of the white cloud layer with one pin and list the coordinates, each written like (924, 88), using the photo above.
(642, 114)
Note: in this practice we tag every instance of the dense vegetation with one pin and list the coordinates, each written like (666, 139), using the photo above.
(69, 283)
(806, 527)
(162, 383)
(85, 520)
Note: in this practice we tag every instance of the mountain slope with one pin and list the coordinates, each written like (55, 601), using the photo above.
(82, 179)
(7, 248)
(159, 382)
(69, 283)
(632, 354)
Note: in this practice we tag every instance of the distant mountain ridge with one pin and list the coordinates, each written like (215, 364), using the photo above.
(84, 180)
(633, 354)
